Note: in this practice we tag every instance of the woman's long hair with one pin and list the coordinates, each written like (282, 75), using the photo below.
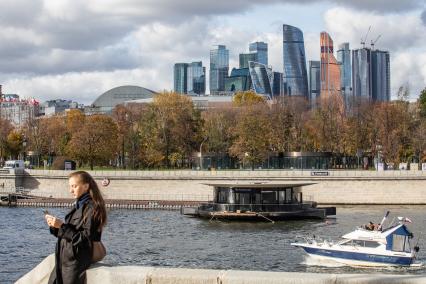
(99, 213)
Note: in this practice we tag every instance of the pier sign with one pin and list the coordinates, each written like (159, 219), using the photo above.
(320, 173)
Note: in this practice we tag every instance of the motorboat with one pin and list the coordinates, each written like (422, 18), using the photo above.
(368, 246)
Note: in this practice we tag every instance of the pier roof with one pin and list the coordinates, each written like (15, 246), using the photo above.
(261, 185)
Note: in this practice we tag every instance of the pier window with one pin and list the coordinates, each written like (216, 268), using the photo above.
(222, 195)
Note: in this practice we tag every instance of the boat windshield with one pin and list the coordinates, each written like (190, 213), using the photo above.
(360, 243)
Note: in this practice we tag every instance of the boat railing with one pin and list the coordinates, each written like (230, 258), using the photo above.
(254, 207)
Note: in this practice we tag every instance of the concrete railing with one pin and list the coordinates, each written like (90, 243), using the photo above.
(242, 173)
(159, 275)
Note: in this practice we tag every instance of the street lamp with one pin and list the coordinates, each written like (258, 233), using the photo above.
(24, 144)
(201, 152)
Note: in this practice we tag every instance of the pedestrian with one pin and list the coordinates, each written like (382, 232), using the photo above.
(80, 232)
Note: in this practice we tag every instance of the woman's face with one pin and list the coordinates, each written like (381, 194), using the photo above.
(77, 188)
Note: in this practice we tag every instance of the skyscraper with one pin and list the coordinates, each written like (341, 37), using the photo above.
(196, 78)
(294, 76)
(246, 57)
(261, 77)
(344, 59)
(371, 74)
(277, 84)
(380, 61)
(314, 82)
(261, 49)
(330, 69)
(180, 74)
(219, 66)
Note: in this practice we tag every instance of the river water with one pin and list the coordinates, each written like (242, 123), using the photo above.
(166, 238)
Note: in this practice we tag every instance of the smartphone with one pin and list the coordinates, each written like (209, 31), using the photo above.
(45, 212)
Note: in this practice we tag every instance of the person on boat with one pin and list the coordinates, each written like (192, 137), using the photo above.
(80, 231)
(369, 226)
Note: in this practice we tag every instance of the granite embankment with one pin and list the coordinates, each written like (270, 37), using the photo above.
(160, 275)
(329, 187)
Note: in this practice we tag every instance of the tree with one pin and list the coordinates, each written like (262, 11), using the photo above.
(217, 131)
(253, 134)
(95, 142)
(247, 98)
(14, 143)
(422, 103)
(172, 128)
(5, 128)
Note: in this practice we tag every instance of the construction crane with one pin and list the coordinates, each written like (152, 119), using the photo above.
(374, 42)
(365, 38)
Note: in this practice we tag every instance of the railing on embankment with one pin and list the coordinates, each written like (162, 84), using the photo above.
(279, 173)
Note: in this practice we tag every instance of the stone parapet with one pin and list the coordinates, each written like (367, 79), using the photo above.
(159, 275)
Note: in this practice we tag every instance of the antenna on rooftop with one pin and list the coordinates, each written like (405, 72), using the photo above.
(365, 38)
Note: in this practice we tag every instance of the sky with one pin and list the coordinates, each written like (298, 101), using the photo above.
(79, 49)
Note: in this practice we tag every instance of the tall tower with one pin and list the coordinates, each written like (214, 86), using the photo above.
(314, 82)
(380, 68)
(295, 77)
(344, 59)
(361, 74)
(330, 69)
(219, 67)
(261, 49)
(196, 78)
(180, 75)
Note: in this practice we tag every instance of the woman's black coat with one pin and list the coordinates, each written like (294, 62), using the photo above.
(74, 247)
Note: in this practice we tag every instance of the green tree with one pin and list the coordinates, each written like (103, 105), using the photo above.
(14, 143)
(422, 103)
(5, 128)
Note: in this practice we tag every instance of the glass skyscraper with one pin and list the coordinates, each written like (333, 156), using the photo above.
(330, 68)
(196, 78)
(277, 84)
(295, 77)
(371, 74)
(219, 67)
(180, 75)
(261, 77)
(246, 57)
(314, 82)
(261, 49)
(380, 68)
(344, 59)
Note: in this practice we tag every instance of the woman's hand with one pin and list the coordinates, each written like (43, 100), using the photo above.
(52, 221)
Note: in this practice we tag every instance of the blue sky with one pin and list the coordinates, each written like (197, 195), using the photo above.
(79, 49)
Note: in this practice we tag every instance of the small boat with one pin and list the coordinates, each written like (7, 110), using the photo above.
(368, 246)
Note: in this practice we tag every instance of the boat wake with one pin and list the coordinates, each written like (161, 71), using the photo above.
(314, 261)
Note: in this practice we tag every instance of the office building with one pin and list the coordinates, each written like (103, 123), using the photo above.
(16, 110)
(277, 84)
(330, 68)
(261, 77)
(196, 79)
(295, 79)
(371, 74)
(344, 59)
(261, 51)
(219, 67)
(238, 81)
(180, 75)
(314, 82)
(245, 58)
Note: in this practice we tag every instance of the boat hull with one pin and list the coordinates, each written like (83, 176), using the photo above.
(358, 258)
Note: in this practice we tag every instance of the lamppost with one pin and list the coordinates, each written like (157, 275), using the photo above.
(201, 152)
(24, 145)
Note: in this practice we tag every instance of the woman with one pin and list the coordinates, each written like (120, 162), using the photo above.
(83, 226)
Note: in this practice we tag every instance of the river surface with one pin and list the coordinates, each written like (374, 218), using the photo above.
(165, 238)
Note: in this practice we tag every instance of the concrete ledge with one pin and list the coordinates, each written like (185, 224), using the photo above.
(157, 275)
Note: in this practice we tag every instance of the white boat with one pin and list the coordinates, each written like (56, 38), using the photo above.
(392, 246)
